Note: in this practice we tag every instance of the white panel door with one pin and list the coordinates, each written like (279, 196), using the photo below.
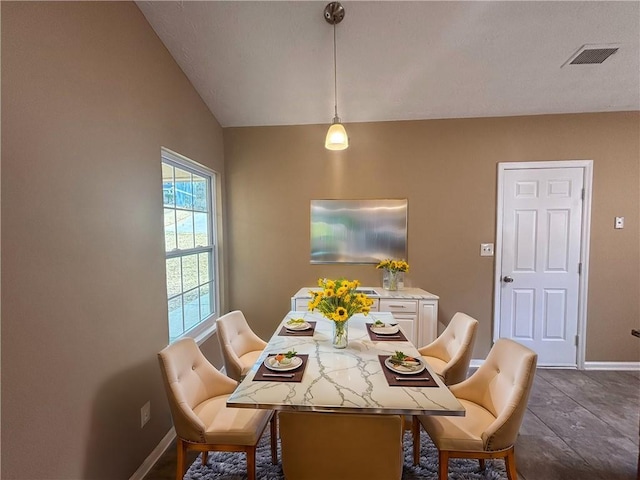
(541, 235)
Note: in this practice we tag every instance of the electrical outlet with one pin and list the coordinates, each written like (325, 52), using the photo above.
(145, 414)
(486, 249)
(619, 223)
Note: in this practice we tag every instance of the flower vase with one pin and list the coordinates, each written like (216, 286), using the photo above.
(340, 334)
(392, 280)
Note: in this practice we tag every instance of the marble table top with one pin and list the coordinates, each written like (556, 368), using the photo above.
(348, 380)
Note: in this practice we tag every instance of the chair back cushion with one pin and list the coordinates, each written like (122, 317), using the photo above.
(189, 380)
(502, 385)
(236, 340)
(452, 349)
(459, 338)
(321, 446)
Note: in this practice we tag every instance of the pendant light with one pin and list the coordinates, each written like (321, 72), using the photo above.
(336, 136)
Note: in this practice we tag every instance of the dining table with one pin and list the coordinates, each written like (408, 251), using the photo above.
(355, 379)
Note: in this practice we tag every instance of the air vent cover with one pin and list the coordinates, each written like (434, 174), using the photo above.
(592, 54)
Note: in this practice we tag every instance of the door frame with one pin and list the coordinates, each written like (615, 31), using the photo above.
(587, 169)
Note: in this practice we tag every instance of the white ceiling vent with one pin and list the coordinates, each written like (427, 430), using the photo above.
(592, 54)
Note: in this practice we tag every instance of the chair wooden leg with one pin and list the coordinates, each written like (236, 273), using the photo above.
(482, 465)
(205, 455)
(182, 453)
(415, 433)
(443, 465)
(510, 464)
(274, 438)
(251, 463)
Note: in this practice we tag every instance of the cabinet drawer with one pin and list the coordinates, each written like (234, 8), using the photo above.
(399, 306)
(302, 304)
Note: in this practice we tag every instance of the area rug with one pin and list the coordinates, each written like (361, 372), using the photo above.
(232, 466)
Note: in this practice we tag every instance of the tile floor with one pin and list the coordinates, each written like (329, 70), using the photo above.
(580, 425)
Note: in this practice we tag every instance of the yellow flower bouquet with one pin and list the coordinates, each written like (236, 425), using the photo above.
(393, 265)
(393, 275)
(338, 301)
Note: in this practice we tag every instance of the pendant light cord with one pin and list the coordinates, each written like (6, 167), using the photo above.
(335, 75)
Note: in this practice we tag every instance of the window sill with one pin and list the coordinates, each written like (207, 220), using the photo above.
(200, 333)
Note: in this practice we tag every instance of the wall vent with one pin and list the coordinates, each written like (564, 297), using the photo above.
(592, 54)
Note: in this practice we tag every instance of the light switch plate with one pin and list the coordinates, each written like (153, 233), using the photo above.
(486, 249)
(619, 223)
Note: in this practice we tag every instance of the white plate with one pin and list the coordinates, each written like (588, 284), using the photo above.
(409, 370)
(272, 364)
(297, 326)
(386, 330)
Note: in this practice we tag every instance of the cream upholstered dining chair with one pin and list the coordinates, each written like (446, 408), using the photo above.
(323, 445)
(495, 399)
(449, 355)
(240, 346)
(197, 394)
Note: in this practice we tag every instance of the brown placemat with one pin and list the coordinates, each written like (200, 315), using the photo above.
(412, 380)
(396, 337)
(284, 332)
(265, 375)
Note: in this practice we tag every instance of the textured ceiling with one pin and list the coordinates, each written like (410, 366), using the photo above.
(271, 63)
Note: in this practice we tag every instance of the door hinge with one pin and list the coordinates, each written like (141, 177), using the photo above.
(582, 195)
(580, 268)
(577, 340)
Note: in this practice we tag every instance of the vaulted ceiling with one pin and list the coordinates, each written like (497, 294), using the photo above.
(271, 62)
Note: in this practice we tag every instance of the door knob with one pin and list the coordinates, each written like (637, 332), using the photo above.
(507, 279)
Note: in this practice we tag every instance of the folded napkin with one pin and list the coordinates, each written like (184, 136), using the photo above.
(285, 332)
(396, 337)
(422, 379)
(265, 374)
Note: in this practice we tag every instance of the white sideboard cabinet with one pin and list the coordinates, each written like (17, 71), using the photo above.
(415, 310)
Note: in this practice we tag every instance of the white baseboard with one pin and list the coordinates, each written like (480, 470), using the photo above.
(629, 366)
(154, 456)
(612, 365)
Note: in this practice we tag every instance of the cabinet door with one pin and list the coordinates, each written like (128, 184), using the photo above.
(409, 325)
(428, 328)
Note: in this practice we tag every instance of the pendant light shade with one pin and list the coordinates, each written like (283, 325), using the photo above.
(337, 138)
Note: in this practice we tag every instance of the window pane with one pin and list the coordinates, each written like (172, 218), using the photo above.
(184, 189)
(200, 190)
(185, 229)
(191, 309)
(176, 327)
(168, 186)
(174, 277)
(169, 229)
(201, 228)
(189, 272)
(204, 265)
(206, 300)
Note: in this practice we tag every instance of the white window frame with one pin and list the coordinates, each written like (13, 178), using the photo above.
(207, 327)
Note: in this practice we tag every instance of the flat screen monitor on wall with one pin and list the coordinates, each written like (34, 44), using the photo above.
(358, 231)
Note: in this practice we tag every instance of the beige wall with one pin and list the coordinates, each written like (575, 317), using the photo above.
(89, 95)
(447, 170)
